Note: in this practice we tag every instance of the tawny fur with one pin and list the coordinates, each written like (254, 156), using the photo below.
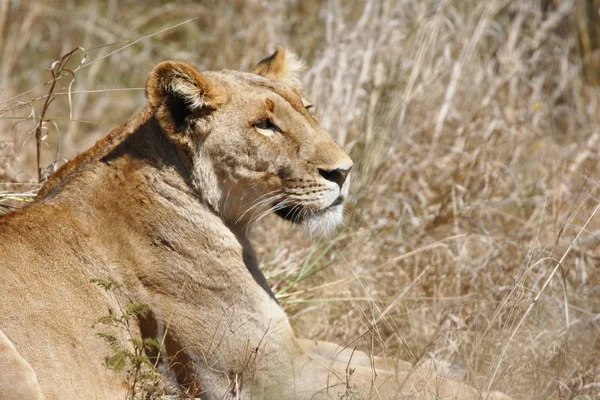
(162, 206)
(18, 378)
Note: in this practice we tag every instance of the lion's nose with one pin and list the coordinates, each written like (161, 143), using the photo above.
(337, 175)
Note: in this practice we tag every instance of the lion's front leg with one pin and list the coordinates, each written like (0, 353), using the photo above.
(221, 348)
(17, 378)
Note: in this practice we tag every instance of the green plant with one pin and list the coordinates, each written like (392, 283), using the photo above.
(131, 357)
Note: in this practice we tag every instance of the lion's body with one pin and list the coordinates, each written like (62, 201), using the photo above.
(173, 254)
(161, 206)
(19, 380)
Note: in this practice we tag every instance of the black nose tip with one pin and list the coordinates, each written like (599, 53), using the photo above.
(337, 175)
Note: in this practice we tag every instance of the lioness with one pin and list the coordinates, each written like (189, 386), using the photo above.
(161, 206)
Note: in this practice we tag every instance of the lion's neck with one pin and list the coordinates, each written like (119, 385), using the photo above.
(147, 186)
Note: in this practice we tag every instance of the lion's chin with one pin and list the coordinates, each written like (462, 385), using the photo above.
(318, 223)
(325, 222)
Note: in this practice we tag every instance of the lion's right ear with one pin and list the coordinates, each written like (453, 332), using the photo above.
(182, 91)
(281, 66)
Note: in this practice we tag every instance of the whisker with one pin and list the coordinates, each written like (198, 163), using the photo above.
(225, 201)
(260, 201)
(263, 203)
(262, 215)
(292, 213)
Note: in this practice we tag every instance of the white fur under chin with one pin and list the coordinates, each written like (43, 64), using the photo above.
(326, 222)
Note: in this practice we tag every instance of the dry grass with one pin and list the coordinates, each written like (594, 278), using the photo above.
(472, 235)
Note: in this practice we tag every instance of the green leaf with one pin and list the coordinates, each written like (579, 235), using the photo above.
(106, 284)
(151, 344)
(118, 361)
(112, 340)
(135, 309)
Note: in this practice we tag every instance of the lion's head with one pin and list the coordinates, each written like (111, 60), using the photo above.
(254, 144)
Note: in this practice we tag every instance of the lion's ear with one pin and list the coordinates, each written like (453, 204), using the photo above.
(182, 90)
(282, 66)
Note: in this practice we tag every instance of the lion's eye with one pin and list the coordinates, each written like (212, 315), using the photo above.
(267, 127)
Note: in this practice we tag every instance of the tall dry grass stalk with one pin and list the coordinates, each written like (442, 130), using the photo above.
(472, 237)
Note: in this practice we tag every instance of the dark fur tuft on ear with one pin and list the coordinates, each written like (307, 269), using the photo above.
(281, 66)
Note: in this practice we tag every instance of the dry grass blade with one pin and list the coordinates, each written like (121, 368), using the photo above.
(558, 264)
(58, 70)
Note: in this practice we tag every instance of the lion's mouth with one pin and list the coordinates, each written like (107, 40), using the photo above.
(294, 214)
(298, 213)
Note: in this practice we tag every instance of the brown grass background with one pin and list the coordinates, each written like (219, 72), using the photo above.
(471, 236)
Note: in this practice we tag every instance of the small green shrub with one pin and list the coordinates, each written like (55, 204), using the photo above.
(130, 357)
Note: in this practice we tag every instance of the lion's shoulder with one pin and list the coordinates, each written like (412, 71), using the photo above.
(101, 149)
